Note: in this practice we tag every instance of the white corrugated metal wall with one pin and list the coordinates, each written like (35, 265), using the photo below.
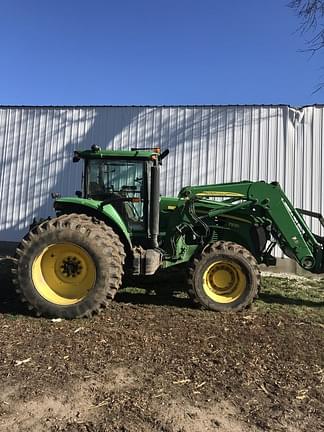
(208, 144)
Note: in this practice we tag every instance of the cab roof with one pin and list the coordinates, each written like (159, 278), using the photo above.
(119, 154)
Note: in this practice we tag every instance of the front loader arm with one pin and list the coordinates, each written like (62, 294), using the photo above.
(270, 202)
(293, 235)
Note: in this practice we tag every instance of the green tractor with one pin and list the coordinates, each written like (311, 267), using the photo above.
(72, 265)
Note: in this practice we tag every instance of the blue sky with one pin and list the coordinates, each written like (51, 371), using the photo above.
(154, 52)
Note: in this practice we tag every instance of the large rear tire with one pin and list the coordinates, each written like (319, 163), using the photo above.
(69, 267)
(225, 277)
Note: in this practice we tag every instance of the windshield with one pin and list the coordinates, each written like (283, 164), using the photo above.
(117, 180)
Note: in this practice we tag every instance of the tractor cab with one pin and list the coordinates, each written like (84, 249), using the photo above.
(121, 183)
(128, 181)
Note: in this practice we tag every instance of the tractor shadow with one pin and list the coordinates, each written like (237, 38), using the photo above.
(154, 299)
(286, 301)
(9, 301)
(160, 290)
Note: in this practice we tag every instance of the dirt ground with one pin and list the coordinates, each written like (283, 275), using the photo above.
(152, 362)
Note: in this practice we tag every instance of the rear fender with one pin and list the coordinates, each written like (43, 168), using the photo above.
(106, 213)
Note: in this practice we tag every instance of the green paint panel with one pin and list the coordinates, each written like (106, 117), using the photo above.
(107, 210)
(118, 154)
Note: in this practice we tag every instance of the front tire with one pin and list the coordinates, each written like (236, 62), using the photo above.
(69, 267)
(225, 277)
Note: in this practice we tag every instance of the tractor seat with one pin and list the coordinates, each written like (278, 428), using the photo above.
(127, 213)
(123, 208)
(133, 223)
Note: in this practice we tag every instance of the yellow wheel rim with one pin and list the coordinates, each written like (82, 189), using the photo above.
(63, 273)
(224, 281)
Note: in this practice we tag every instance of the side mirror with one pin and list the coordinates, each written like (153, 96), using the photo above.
(55, 195)
(76, 157)
(95, 148)
(164, 154)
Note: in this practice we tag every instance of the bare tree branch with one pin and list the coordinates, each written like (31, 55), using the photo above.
(311, 13)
